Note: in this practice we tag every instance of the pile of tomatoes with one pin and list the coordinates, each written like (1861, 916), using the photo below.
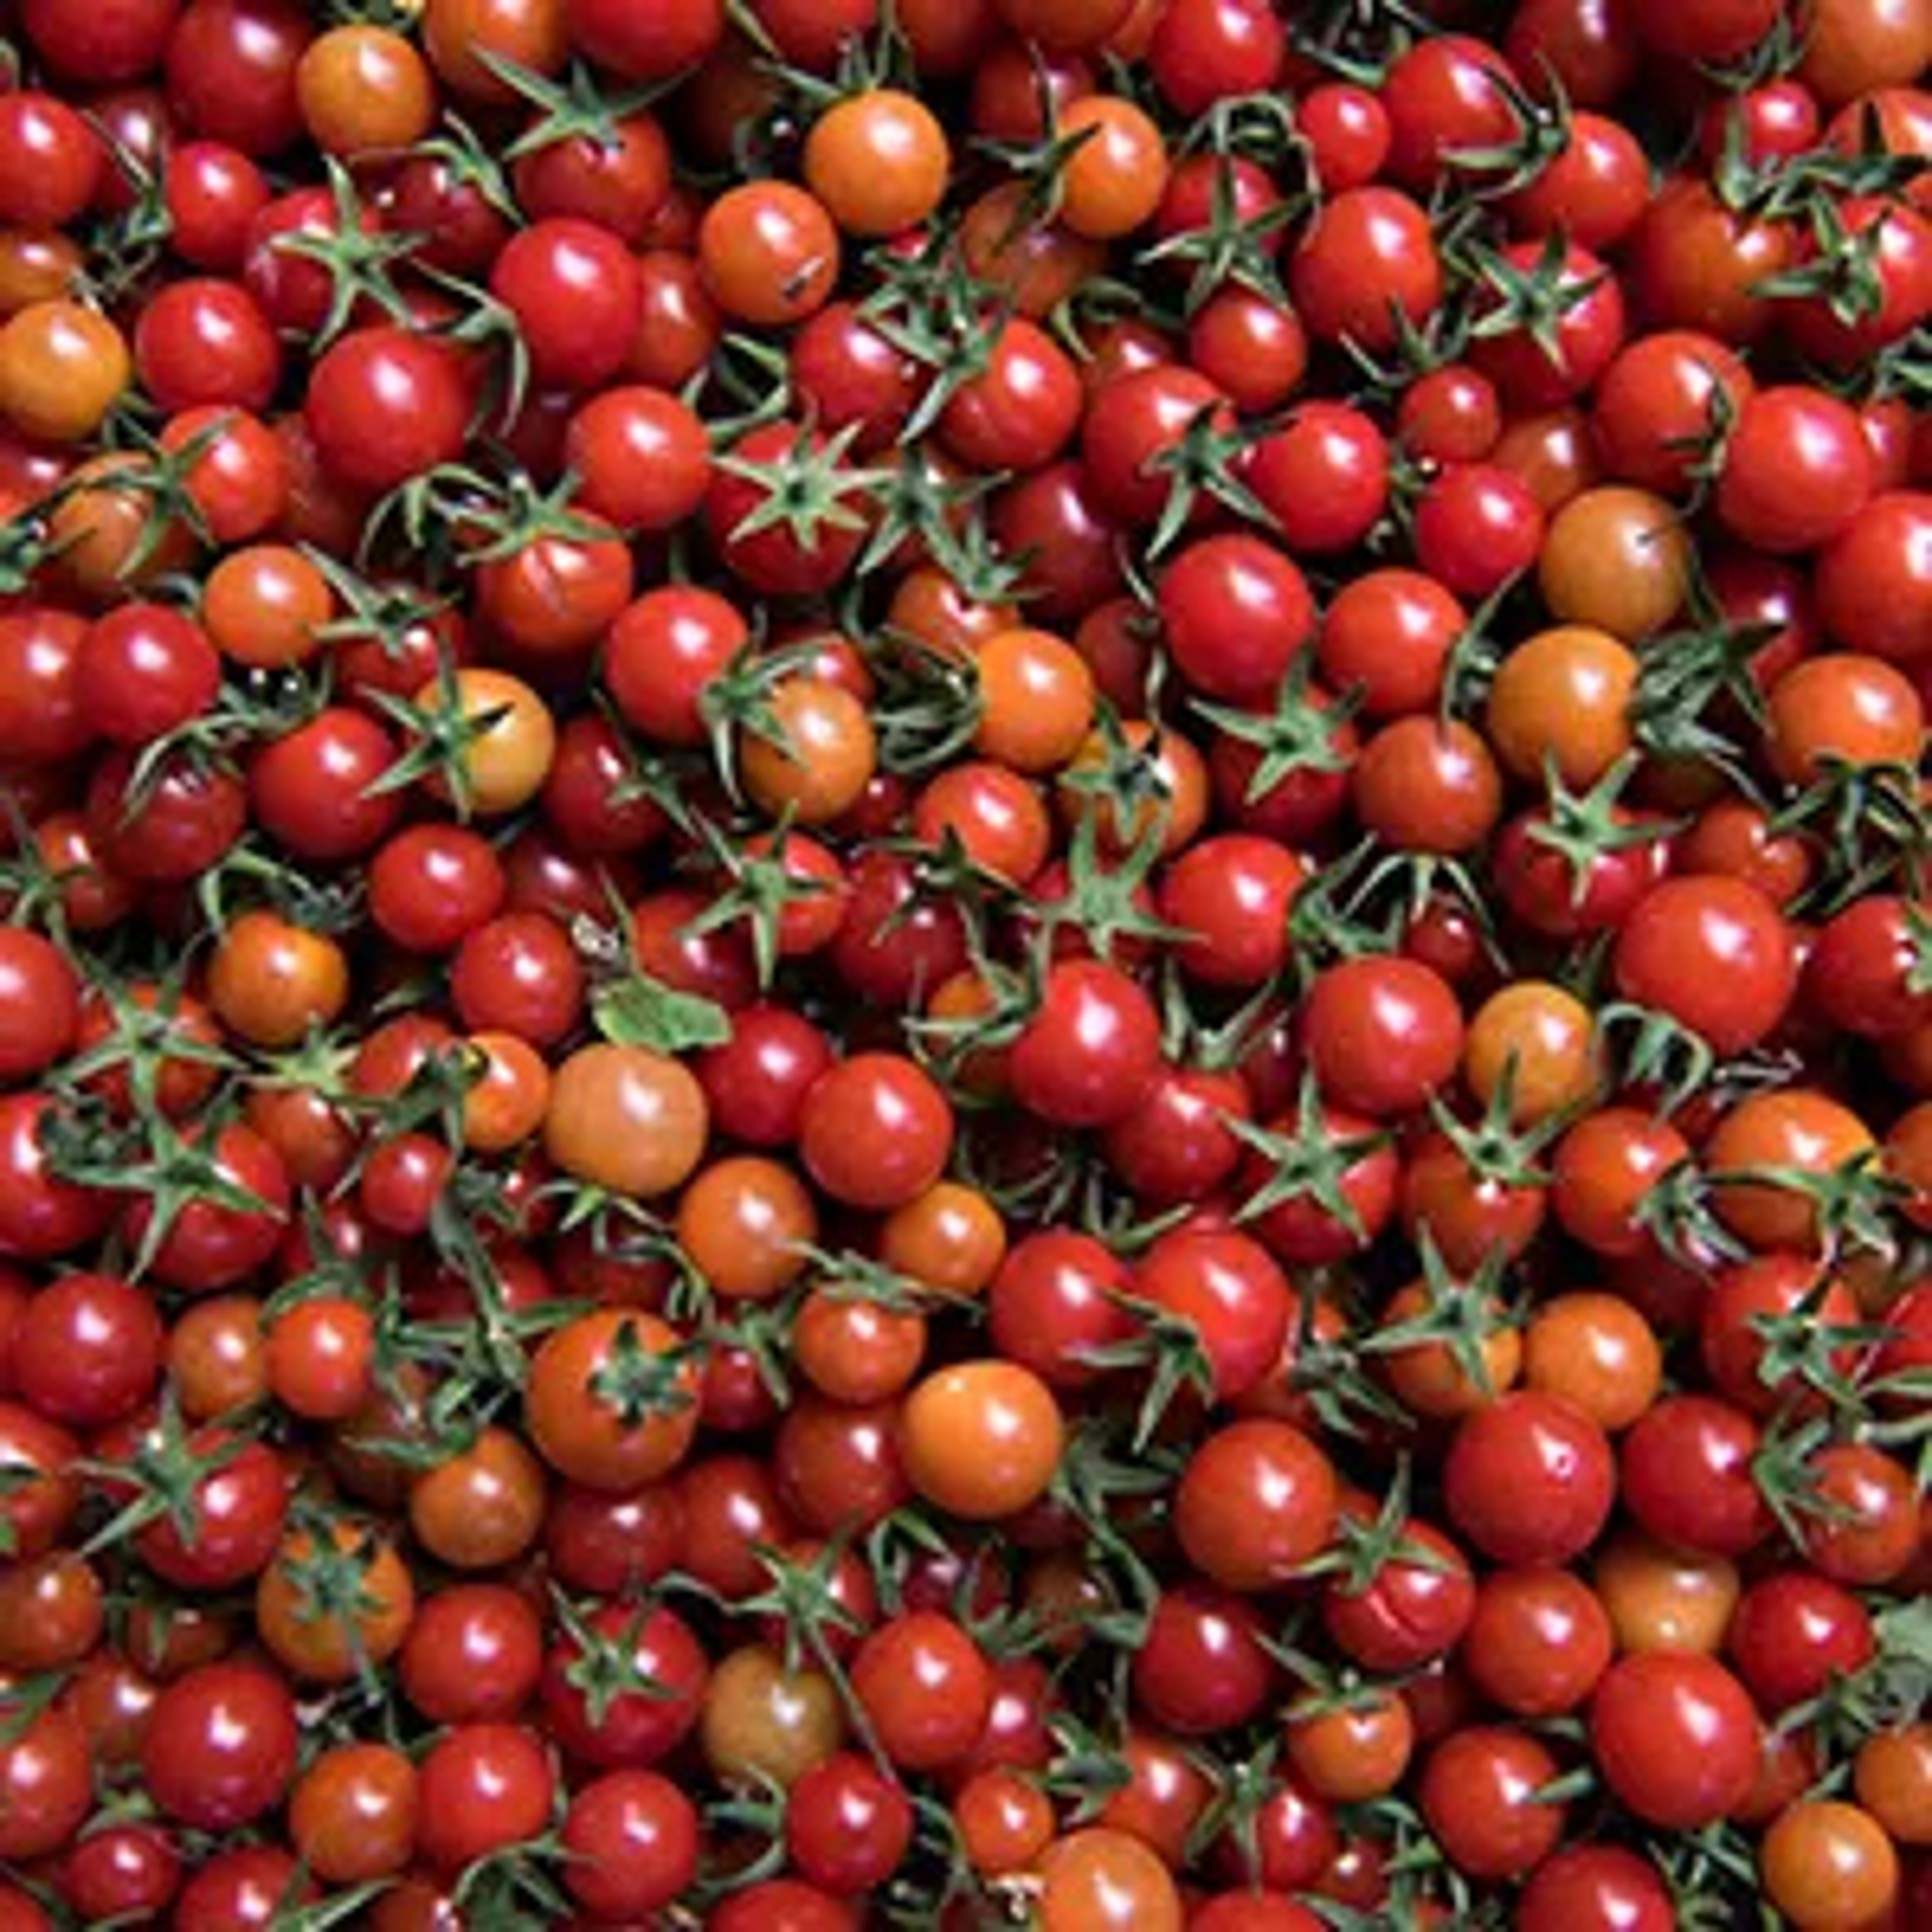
(965, 963)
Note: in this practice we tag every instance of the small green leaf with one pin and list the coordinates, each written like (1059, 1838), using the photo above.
(640, 1011)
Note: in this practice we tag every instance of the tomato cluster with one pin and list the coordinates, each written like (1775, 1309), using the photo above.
(965, 963)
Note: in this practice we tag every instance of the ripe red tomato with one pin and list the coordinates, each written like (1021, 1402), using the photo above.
(1529, 1479)
(1676, 1735)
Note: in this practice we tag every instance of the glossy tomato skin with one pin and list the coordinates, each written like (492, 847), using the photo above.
(1236, 612)
(1715, 954)
(221, 1748)
(385, 404)
(875, 1131)
(88, 1351)
(1323, 477)
(41, 1215)
(473, 1654)
(647, 42)
(1258, 1503)
(1382, 1034)
(1686, 1475)
(1231, 1290)
(1202, 1667)
(926, 1686)
(1479, 1794)
(1530, 1479)
(1797, 471)
(1792, 1634)
(1084, 1058)
(482, 1787)
(578, 295)
(1595, 1888)
(1676, 1736)
(1872, 580)
(1369, 252)
(230, 68)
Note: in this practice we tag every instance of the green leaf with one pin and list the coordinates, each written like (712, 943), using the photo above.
(640, 1011)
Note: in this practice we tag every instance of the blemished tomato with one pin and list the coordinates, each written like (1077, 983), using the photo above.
(769, 253)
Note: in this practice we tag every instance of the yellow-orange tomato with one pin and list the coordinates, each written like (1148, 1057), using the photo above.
(1663, 1599)
(769, 253)
(625, 1118)
(482, 1508)
(1598, 1352)
(330, 1606)
(1795, 1130)
(363, 89)
(265, 606)
(36, 265)
(1114, 179)
(1847, 708)
(1563, 698)
(270, 982)
(1093, 1880)
(1429, 1377)
(745, 1224)
(109, 534)
(1540, 1038)
(63, 367)
(959, 1002)
(1855, 47)
(457, 33)
(508, 1099)
(1005, 1821)
(218, 1356)
(1353, 1750)
(1036, 700)
(504, 739)
(1828, 1867)
(1162, 769)
(761, 1722)
(1616, 559)
(878, 161)
(982, 1439)
(1892, 1775)
(818, 757)
(950, 1237)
